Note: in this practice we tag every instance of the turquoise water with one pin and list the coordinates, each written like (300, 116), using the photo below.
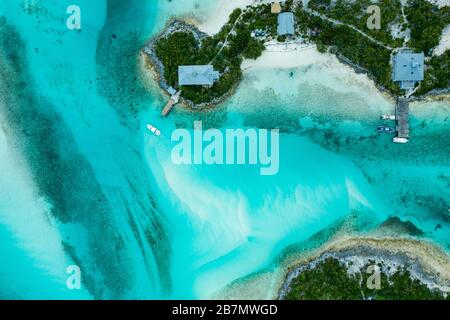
(109, 199)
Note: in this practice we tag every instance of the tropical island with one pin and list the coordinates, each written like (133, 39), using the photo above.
(391, 263)
(205, 69)
(331, 278)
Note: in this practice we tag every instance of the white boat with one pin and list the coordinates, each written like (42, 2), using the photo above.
(153, 130)
(400, 140)
(388, 117)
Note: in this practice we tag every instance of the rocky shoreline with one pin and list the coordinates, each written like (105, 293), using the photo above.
(392, 254)
(175, 25)
(360, 70)
(434, 95)
(149, 48)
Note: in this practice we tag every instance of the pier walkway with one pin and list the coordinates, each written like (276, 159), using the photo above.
(402, 117)
(172, 102)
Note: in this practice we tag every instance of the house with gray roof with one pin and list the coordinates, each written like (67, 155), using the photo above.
(198, 75)
(286, 24)
(408, 69)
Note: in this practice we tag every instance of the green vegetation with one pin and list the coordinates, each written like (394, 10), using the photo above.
(437, 75)
(329, 280)
(427, 22)
(352, 45)
(355, 14)
(287, 5)
(225, 51)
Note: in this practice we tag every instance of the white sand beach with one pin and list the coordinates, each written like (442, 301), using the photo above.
(223, 10)
(328, 71)
(285, 56)
(220, 15)
(277, 55)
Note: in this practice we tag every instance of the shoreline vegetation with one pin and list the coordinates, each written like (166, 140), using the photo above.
(417, 26)
(331, 278)
(183, 44)
(410, 265)
(408, 269)
(338, 27)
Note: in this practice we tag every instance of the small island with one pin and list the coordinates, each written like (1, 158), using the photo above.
(389, 264)
(330, 278)
(203, 70)
(182, 44)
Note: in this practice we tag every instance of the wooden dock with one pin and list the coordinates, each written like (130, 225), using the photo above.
(172, 102)
(402, 117)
